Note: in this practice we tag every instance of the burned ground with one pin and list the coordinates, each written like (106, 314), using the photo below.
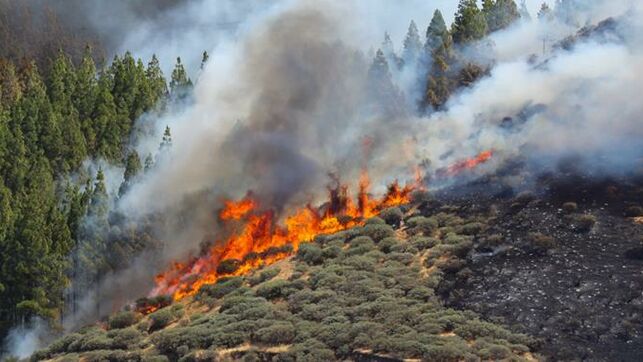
(563, 263)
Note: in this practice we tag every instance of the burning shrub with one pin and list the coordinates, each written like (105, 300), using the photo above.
(634, 211)
(393, 216)
(147, 305)
(228, 266)
(377, 232)
(570, 207)
(584, 223)
(123, 319)
(310, 253)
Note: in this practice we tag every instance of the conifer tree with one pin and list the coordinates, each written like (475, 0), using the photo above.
(545, 12)
(412, 44)
(132, 168)
(155, 78)
(500, 13)
(470, 23)
(204, 59)
(84, 98)
(437, 33)
(180, 83)
(524, 12)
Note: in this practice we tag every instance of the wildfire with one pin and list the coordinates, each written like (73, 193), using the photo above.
(469, 163)
(258, 239)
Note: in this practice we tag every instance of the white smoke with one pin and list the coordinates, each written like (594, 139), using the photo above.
(24, 340)
(282, 101)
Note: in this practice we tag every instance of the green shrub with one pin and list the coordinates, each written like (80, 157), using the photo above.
(423, 242)
(472, 228)
(161, 318)
(422, 225)
(387, 243)
(159, 358)
(392, 216)
(275, 289)
(378, 232)
(221, 288)
(123, 319)
(263, 276)
(570, 207)
(331, 252)
(584, 223)
(125, 338)
(404, 258)
(278, 333)
(375, 221)
(310, 253)
(360, 245)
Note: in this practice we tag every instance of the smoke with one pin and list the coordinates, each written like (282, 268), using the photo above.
(285, 99)
(23, 341)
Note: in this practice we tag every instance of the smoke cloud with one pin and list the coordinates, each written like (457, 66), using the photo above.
(284, 100)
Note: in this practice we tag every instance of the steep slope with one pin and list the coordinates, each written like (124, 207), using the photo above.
(368, 293)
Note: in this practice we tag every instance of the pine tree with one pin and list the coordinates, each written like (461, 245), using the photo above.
(524, 12)
(545, 12)
(132, 168)
(500, 13)
(108, 135)
(166, 142)
(383, 94)
(438, 82)
(470, 23)
(149, 163)
(156, 80)
(412, 44)
(204, 59)
(180, 83)
(437, 33)
(84, 98)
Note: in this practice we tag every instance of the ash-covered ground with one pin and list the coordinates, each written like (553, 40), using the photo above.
(562, 262)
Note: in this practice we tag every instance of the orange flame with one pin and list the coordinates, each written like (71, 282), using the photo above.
(258, 240)
(469, 163)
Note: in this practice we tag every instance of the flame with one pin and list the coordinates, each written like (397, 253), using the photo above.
(258, 239)
(468, 164)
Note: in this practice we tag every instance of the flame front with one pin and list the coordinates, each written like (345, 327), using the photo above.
(258, 240)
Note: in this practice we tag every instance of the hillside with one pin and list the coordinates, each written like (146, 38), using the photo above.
(372, 292)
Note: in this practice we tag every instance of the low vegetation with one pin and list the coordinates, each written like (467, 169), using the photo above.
(365, 292)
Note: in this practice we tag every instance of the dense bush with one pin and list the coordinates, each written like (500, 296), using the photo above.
(422, 225)
(275, 289)
(310, 253)
(378, 232)
(263, 276)
(222, 287)
(228, 266)
(277, 333)
(163, 317)
(387, 244)
(123, 319)
(125, 338)
(392, 216)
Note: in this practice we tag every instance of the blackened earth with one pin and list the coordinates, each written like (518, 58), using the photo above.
(581, 296)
